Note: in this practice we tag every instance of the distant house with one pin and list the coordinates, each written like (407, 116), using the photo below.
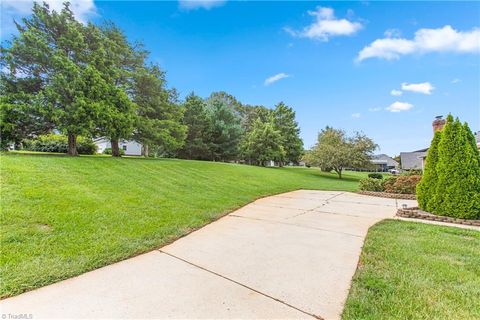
(413, 160)
(383, 162)
(131, 148)
(477, 136)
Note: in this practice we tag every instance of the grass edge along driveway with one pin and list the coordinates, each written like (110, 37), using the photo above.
(63, 216)
(411, 270)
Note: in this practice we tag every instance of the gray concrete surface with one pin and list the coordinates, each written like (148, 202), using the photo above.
(290, 256)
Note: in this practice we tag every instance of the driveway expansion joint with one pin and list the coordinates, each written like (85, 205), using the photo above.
(243, 285)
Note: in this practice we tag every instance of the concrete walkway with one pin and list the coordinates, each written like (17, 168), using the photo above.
(290, 256)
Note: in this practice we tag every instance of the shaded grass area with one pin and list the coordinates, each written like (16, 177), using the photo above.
(412, 270)
(62, 216)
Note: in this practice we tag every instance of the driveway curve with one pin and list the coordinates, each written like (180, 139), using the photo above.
(289, 256)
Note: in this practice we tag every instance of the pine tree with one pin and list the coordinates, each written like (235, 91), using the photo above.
(158, 122)
(263, 143)
(197, 120)
(284, 121)
(226, 130)
(458, 188)
(52, 50)
(427, 187)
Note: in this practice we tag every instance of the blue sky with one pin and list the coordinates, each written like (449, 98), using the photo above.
(335, 63)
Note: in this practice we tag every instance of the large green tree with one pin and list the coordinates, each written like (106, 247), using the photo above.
(458, 186)
(51, 50)
(335, 150)
(285, 123)
(226, 130)
(119, 63)
(426, 188)
(158, 122)
(197, 119)
(21, 115)
(263, 143)
(249, 114)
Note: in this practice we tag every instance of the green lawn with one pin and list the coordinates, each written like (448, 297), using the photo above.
(412, 270)
(62, 216)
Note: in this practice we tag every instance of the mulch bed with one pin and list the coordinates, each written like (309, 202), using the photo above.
(389, 195)
(416, 213)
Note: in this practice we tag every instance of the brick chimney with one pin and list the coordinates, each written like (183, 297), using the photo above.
(438, 123)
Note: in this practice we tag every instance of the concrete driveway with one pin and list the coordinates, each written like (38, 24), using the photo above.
(288, 256)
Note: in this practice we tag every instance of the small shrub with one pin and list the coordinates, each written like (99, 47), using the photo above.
(388, 184)
(59, 143)
(412, 172)
(375, 175)
(109, 151)
(401, 184)
(86, 145)
(371, 184)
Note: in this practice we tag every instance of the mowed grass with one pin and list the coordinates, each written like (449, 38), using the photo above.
(411, 270)
(62, 216)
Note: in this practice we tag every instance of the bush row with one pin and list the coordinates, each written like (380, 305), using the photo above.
(59, 143)
(395, 184)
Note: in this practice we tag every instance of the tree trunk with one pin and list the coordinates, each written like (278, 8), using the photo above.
(115, 148)
(72, 144)
(145, 150)
(339, 172)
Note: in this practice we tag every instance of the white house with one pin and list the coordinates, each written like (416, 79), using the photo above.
(131, 148)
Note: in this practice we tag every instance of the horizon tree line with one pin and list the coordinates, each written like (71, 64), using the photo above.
(59, 75)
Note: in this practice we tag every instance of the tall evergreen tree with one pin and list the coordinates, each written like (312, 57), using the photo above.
(51, 49)
(197, 120)
(284, 120)
(225, 131)
(118, 62)
(458, 169)
(21, 110)
(158, 122)
(426, 188)
(263, 143)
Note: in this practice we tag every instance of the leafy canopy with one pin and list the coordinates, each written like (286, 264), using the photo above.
(335, 150)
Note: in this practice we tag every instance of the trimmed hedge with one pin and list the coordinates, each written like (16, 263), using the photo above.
(375, 175)
(394, 184)
(371, 184)
(401, 184)
(59, 143)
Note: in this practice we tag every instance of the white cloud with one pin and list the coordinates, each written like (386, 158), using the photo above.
(398, 106)
(424, 87)
(396, 93)
(375, 109)
(16, 9)
(275, 78)
(356, 115)
(325, 26)
(200, 4)
(83, 9)
(392, 33)
(456, 80)
(444, 39)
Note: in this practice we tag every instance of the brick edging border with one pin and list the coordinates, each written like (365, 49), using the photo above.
(389, 195)
(416, 213)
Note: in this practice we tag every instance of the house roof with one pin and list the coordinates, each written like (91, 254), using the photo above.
(384, 159)
(412, 160)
